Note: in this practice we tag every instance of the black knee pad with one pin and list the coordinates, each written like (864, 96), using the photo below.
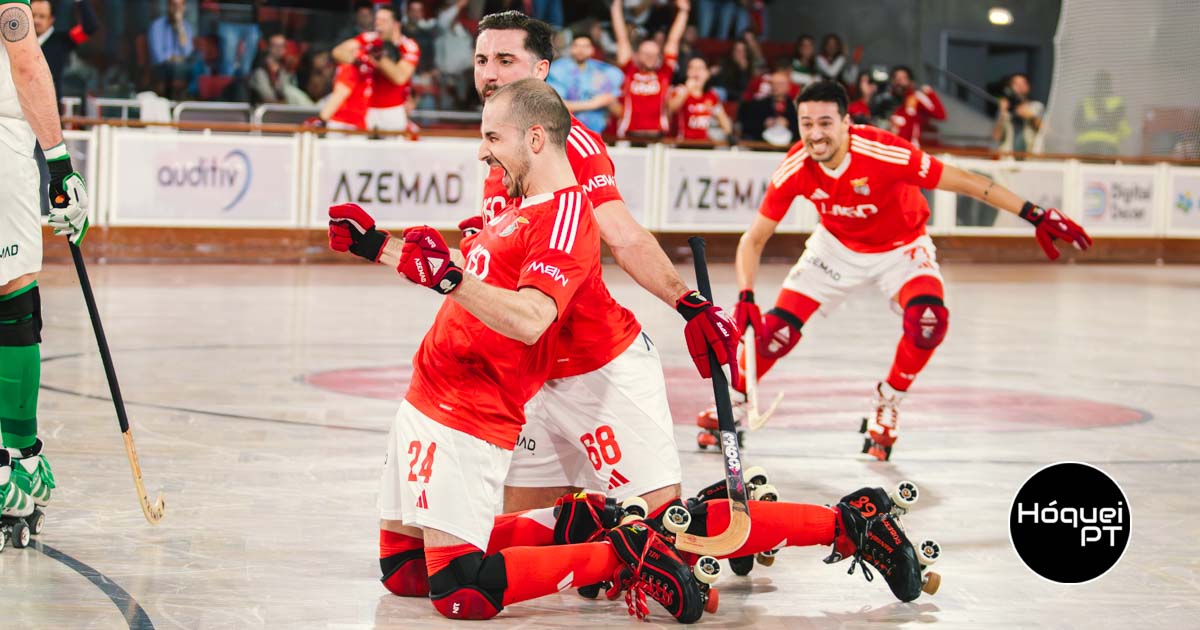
(926, 321)
(470, 587)
(24, 314)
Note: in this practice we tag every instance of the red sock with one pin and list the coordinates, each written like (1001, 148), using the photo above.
(392, 543)
(910, 359)
(438, 558)
(777, 525)
(531, 528)
(537, 571)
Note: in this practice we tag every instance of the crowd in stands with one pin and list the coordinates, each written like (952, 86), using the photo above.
(640, 69)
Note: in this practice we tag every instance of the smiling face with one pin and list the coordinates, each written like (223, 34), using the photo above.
(501, 58)
(823, 129)
(647, 55)
(697, 71)
(504, 145)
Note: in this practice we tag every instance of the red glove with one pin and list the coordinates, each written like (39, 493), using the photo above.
(470, 227)
(425, 260)
(352, 229)
(1052, 224)
(708, 327)
(746, 313)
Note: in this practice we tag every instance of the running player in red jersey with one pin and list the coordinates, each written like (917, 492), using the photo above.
(865, 184)
(695, 107)
(602, 422)
(647, 74)
(490, 348)
(393, 58)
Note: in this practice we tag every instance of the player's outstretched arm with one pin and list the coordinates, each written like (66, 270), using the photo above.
(621, 33)
(638, 252)
(750, 249)
(1050, 224)
(523, 315)
(347, 51)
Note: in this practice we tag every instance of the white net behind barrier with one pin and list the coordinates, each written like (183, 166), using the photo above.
(1126, 78)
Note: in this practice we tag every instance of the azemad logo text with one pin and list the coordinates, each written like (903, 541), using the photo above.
(229, 176)
(1070, 523)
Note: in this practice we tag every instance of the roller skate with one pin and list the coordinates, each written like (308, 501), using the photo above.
(871, 533)
(20, 517)
(880, 429)
(654, 568)
(710, 433)
(758, 489)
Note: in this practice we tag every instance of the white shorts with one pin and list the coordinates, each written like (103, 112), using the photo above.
(609, 430)
(20, 215)
(388, 119)
(827, 270)
(441, 478)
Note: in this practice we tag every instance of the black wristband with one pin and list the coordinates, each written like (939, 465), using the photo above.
(59, 169)
(370, 244)
(746, 296)
(691, 304)
(1032, 213)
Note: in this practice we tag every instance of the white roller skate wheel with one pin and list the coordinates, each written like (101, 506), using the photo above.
(765, 492)
(756, 475)
(930, 552)
(3, 540)
(36, 521)
(905, 495)
(20, 535)
(677, 519)
(707, 569)
(635, 505)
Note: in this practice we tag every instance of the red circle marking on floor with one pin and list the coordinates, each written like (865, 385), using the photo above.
(826, 403)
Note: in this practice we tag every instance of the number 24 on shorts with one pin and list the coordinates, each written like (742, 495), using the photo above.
(414, 449)
(602, 447)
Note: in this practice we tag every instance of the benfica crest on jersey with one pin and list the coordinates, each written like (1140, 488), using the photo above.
(860, 186)
(512, 227)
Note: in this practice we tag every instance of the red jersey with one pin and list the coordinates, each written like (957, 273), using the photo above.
(601, 328)
(914, 113)
(696, 114)
(871, 202)
(646, 98)
(354, 109)
(387, 94)
(474, 379)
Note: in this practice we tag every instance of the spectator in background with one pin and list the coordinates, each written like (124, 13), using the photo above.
(604, 42)
(860, 111)
(687, 52)
(317, 71)
(170, 41)
(272, 81)
(910, 109)
(695, 106)
(591, 89)
(1100, 121)
(1019, 119)
(719, 18)
(735, 73)
(773, 118)
(804, 62)
(346, 107)
(364, 20)
(455, 47)
(237, 35)
(647, 75)
(420, 29)
(549, 11)
(57, 45)
(832, 63)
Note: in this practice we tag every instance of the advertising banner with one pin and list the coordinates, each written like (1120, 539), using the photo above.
(1118, 197)
(436, 183)
(1184, 200)
(634, 168)
(722, 190)
(184, 179)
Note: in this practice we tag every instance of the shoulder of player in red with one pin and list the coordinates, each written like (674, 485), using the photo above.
(670, 62)
(895, 156)
(410, 51)
(594, 169)
(347, 74)
(563, 244)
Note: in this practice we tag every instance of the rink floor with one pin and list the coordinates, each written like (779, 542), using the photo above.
(261, 396)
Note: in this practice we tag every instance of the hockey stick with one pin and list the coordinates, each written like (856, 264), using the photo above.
(154, 513)
(755, 419)
(738, 531)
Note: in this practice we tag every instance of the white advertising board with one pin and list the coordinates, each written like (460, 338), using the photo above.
(721, 191)
(401, 184)
(201, 180)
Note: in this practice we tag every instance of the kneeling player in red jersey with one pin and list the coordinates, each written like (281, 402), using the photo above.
(488, 352)
(865, 184)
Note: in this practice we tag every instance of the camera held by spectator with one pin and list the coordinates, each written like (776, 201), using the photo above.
(1018, 119)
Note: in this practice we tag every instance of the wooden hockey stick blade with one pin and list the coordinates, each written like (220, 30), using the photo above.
(154, 513)
(748, 340)
(722, 544)
(758, 420)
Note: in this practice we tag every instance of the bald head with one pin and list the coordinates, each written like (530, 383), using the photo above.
(531, 102)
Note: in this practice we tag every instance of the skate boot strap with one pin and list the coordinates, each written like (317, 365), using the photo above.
(33, 450)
